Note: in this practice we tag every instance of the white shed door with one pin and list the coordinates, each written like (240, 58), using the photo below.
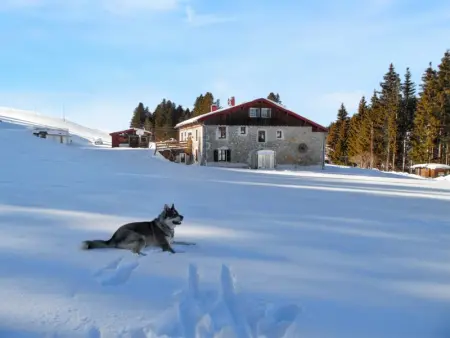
(265, 161)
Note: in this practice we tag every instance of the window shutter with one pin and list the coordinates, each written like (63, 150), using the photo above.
(216, 155)
(228, 155)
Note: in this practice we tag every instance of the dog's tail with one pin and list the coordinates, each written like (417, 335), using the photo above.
(96, 244)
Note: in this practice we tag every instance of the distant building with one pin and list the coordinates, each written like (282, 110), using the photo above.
(58, 135)
(431, 170)
(131, 138)
(257, 134)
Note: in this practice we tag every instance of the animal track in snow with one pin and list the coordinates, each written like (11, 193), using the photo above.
(224, 313)
(116, 272)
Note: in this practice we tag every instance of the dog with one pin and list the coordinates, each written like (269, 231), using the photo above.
(135, 236)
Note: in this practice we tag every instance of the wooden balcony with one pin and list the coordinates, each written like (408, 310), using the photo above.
(164, 145)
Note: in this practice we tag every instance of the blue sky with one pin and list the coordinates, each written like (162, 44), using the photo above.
(97, 59)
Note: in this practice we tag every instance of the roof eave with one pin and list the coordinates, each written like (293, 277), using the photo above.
(201, 118)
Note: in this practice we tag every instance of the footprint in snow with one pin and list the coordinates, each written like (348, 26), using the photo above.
(116, 272)
(224, 313)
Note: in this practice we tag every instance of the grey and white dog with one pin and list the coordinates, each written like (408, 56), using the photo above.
(135, 236)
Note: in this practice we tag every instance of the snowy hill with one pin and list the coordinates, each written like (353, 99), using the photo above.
(279, 254)
(28, 118)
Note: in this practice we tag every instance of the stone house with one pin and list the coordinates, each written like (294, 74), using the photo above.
(257, 134)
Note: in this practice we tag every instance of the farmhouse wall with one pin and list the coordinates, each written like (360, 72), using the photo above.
(286, 148)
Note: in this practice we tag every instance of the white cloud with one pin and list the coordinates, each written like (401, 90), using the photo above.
(195, 19)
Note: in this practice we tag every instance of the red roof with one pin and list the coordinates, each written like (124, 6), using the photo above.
(128, 131)
(230, 109)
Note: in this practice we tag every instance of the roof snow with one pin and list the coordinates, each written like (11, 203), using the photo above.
(431, 166)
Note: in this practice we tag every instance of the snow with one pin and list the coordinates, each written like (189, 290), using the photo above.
(443, 178)
(34, 119)
(306, 253)
(431, 166)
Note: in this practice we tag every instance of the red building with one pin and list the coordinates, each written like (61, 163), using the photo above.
(132, 138)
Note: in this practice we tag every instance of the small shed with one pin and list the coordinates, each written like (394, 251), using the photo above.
(58, 135)
(263, 159)
(431, 170)
(131, 138)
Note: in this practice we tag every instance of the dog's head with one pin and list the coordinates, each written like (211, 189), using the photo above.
(170, 216)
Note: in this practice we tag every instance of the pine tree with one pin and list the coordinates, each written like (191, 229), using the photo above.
(148, 124)
(353, 139)
(364, 130)
(274, 97)
(375, 125)
(359, 135)
(340, 154)
(390, 99)
(203, 104)
(426, 120)
(406, 119)
(139, 115)
(135, 120)
(332, 139)
(332, 136)
(443, 101)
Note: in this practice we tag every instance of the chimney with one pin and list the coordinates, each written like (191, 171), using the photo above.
(213, 107)
(231, 101)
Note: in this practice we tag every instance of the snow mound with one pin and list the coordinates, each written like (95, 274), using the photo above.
(33, 119)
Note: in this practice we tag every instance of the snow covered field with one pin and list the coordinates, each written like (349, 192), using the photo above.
(279, 254)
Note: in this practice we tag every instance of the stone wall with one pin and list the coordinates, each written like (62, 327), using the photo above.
(286, 147)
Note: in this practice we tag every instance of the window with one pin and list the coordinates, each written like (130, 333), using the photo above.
(279, 134)
(222, 155)
(222, 132)
(253, 112)
(261, 136)
(243, 130)
(266, 113)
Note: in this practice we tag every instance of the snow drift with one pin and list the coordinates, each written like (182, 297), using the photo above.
(28, 118)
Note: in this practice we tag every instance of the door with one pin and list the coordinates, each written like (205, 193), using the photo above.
(262, 161)
(134, 141)
(265, 161)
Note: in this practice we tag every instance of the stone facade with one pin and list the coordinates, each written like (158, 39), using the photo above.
(292, 145)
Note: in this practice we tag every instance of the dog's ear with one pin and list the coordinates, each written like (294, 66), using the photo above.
(166, 207)
(173, 206)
